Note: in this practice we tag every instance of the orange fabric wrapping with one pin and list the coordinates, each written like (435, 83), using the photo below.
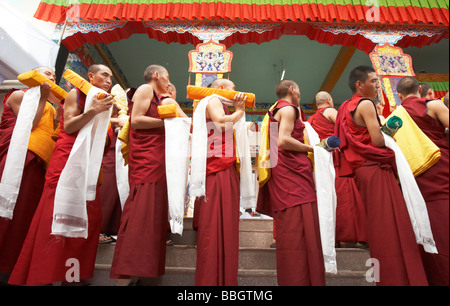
(33, 78)
(83, 85)
(77, 81)
(41, 142)
(101, 95)
(167, 111)
(198, 93)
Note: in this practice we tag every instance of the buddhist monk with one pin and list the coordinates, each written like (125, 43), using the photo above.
(289, 196)
(426, 91)
(431, 116)
(170, 97)
(46, 258)
(350, 212)
(216, 215)
(141, 242)
(40, 146)
(364, 156)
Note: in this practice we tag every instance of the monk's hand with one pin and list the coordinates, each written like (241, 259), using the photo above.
(239, 101)
(101, 105)
(45, 92)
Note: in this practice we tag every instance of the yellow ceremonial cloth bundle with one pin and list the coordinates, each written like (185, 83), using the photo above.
(198, 93)
(41, 142)
(420, 152)
(77, 81)
(33, 78)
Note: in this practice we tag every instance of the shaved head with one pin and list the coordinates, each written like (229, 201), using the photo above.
(96, 68)
(222, 83)
(322, 98)
(425, 89)
(150, 71)
(47, 72)
(408, 86)
(282, 88)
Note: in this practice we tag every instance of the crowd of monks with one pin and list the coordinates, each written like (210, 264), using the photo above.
(370, 204)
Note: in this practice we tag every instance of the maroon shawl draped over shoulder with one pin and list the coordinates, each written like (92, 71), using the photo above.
(356, 146)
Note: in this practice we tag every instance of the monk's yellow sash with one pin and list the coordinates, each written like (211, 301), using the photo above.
(41, 141)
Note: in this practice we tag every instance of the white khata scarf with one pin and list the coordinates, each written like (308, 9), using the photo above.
(177, 166)
(78, 180)
(123, 187)
(15, 160)
(324, 177)
(199, 154)
(413, 197)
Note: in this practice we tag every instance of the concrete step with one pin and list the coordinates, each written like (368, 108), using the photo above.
(257, 233)
(244, 224)
(256, 224)
(257, 262)
(249, 258)
(247, 238)
(179, 276)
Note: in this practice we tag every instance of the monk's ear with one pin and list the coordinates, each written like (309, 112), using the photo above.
(402, 97)
(90, 76)
(420, 90)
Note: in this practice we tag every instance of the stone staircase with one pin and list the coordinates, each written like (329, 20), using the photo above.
(257, 261)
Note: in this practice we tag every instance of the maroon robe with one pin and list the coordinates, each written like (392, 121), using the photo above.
(141, 241)
(351, 223)
(434, 185)
(216, 215)
(391, 238)
(44, 257)
(289, 196)
(321, 124)
(14, 231)
(109, 194)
